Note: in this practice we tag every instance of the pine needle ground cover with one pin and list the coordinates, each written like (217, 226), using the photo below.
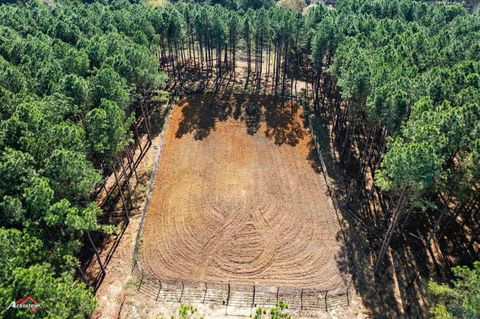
(238, 198)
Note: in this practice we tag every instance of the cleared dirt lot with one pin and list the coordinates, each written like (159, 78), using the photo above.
(237, 198)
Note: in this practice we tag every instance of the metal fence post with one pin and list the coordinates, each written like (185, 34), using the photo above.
(301, 299)
(253, 297)
(205, 295)
(326, 304)
(181, 294)
(141, 279)
(159, 289)
(228, 293)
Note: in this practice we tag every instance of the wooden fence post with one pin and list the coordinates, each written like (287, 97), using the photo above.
(82, 273)
(348, 300)
(117, 182)
(95, 249)
(134, 264)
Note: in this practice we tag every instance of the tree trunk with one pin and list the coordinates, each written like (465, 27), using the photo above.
(127, 217)
(390, 231)
(96, 252)
(284, 78)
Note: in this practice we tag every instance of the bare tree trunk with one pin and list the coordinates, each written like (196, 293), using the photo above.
(284, 78)
(127, 182)
(390, 231)
(436, 228)
(96, 252)
(268, 63)
(121, 193)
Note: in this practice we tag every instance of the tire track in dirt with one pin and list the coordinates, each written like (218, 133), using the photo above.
(240, 205)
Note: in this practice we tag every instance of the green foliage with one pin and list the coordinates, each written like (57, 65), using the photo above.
(68, 76)
(412, 165)
(12, 212)
(38, 197)
(161, 96)
(185, 312)
(61, 297)
(76, 87)
(73, 77)
(107, 84)
(17, 250)
(23, 272)
(16, 169)
(11, 78)
(388, 65)
(277, 312)
(71, 175)
(255, 4)
(107, 129)
(462, 300)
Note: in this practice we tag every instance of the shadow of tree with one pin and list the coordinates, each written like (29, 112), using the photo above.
(240, 103)
(313, 159)
(200, 115)
(396, 291)
(282, 122)
(253, 113)
(282, 117)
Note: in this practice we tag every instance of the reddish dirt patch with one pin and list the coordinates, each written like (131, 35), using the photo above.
(236, 198)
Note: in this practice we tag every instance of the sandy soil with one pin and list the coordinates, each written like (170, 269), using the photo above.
(140, 306)
(236, 198)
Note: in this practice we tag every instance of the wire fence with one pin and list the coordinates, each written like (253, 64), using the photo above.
(314, 130)
(237, 295)
(151, 183)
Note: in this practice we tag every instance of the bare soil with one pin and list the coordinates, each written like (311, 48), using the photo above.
(237, 198)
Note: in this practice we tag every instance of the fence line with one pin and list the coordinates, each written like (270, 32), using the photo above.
(238, 295)
(151, 183)
(310, 115)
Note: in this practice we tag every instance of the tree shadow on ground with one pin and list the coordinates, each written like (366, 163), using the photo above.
(396, 291)
(283, 122)
(313, 158)
(253, 113)
(200, 113)
(282, 117)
